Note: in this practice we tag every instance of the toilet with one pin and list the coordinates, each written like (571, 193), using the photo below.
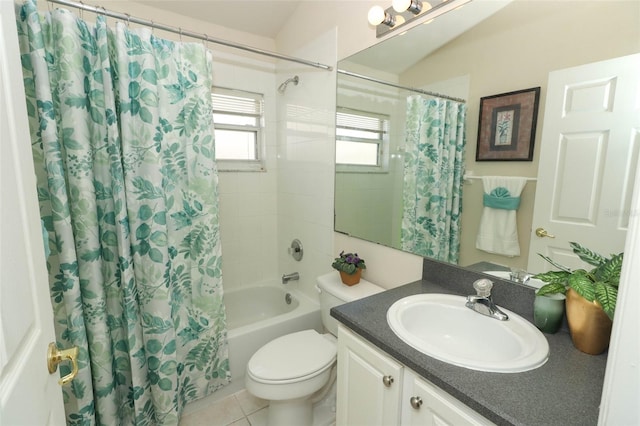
(296, 370)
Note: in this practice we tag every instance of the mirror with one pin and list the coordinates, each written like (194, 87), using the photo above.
(482, 49)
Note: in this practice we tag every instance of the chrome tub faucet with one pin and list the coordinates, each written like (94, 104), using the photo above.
(294, 276)
(482, 301)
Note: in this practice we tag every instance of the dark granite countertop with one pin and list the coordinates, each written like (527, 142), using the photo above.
(566, 390)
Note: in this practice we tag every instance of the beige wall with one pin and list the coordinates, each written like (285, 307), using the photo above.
(516, 49)
(572, 33)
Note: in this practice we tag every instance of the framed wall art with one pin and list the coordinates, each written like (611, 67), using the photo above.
(507, 126)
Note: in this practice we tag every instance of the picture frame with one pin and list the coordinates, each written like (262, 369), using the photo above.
(507, 126)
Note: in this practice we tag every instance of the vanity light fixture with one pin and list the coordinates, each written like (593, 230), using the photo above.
(404, 11)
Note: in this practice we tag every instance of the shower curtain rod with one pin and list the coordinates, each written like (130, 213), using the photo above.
(386, 83)
(128, 18)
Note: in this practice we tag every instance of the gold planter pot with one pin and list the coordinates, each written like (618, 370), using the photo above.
(589, 325)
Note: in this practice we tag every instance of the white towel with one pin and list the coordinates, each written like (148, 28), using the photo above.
(498, 231)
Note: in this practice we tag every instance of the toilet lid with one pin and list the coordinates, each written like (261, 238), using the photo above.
(292, 356)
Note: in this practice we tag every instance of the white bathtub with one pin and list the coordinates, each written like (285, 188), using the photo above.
(258, 314)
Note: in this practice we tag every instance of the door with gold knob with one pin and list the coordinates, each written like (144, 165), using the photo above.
(29, 395)
(56, 356)
(588, 159)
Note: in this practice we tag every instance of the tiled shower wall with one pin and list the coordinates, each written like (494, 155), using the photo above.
(248, 210)
(262, 212)
(306, 152)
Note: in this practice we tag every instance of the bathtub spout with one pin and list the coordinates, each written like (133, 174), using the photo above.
(289, 277)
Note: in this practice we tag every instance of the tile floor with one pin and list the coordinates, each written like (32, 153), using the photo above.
(238, 409)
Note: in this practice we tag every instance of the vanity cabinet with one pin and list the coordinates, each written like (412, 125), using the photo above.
(375, 389)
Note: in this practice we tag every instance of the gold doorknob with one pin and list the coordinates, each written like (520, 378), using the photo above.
(55, 357)
(541, 232)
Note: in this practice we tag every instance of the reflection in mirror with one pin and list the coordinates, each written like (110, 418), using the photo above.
(511, 45)
(428, 167)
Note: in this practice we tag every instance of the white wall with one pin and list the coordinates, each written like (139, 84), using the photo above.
(349, 19)
(621, 390)
(174, 20)
(248, 205)
(305, 161)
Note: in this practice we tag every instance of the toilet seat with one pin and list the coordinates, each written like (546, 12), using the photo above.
(292, 358)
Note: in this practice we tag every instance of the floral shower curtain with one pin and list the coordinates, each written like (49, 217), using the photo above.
(433, 177)
(122, 140)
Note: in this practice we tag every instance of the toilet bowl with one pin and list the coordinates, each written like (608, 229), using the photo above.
(287, 371)
(293, 370)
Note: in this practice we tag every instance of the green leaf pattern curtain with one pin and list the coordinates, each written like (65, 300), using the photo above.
(433, 176)
(122, 140)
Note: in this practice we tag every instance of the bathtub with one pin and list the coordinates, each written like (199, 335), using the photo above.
(257, 314)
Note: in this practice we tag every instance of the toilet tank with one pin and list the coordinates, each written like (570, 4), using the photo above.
(333, 293)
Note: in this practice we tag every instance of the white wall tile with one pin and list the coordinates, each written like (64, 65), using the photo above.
(247, 199)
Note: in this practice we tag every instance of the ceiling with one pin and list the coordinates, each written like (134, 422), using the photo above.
(261, 17)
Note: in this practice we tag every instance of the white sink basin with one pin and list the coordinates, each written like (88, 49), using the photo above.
(441, 326)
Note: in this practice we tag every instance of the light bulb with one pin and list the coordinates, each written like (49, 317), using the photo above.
(401, 5)
(413, 6)
(376, 15)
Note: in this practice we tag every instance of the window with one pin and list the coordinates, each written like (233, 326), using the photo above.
(360, 140)
(238, 121)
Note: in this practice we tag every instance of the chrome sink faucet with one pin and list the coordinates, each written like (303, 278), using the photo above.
(482, 302)
(519, 275)
(294, 276)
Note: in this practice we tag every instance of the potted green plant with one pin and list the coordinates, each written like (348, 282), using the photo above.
(591, 296)
(350, 266)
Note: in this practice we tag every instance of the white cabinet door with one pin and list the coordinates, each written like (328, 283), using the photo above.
(374, 389)
(369, 384)
(28, 394)
(423, 404)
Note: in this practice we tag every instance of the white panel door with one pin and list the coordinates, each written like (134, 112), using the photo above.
(588, 160)
(29, 395)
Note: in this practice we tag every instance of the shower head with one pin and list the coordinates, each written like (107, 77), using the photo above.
(295, 80)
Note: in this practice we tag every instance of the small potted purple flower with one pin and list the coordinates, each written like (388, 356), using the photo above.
(350, 266)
